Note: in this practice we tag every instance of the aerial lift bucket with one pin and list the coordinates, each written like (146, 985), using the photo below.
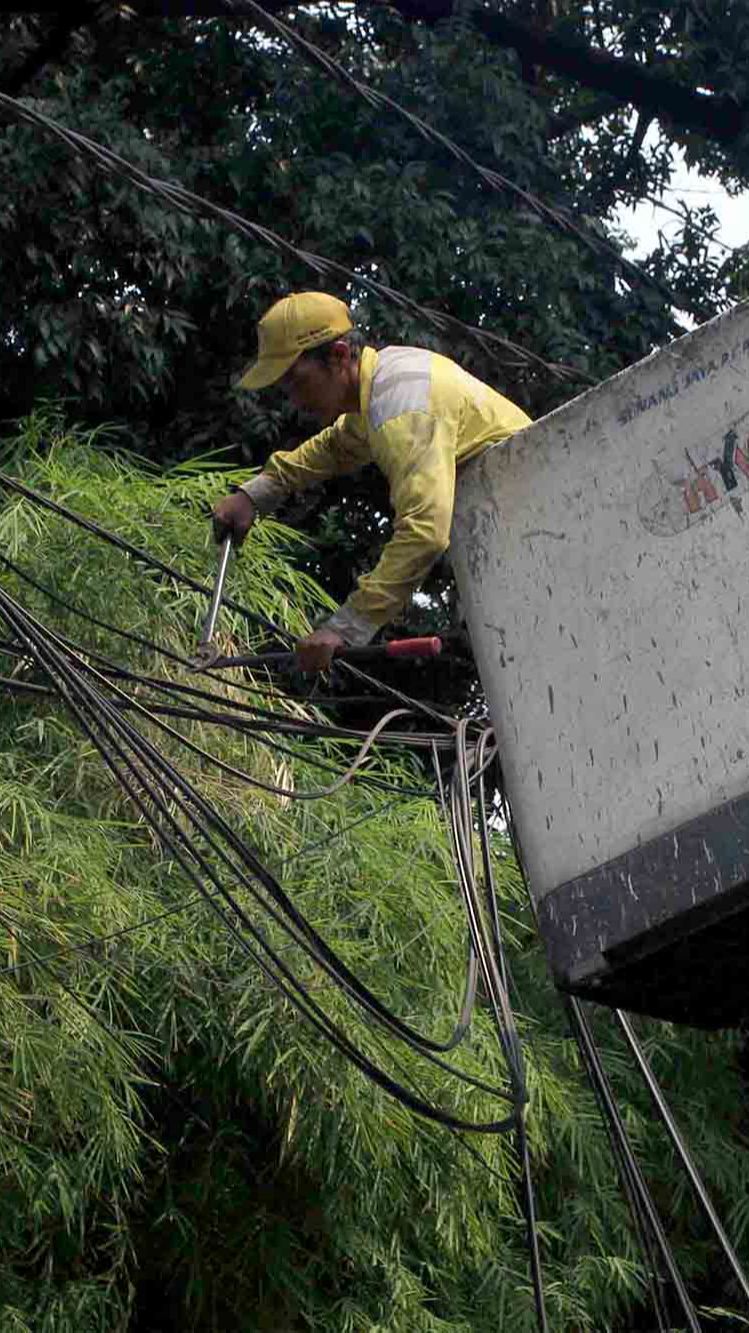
(602, 556)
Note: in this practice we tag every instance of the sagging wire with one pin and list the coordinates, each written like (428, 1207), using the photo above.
(249, 724)
(246, 718)
(256, 730)
(112, 538)
(95, 943)
(171, 655)
(254, 718)
(111, 668)
(290, 793)
(492, 906)
(77, 693)
(131, 636)
(558, 218)
(659, 1261)
(487, 942)
(460, 1030)
(138, 765)
(462, 829)
(237, 910)
(176, 196)
(143, 772)
(143, 557)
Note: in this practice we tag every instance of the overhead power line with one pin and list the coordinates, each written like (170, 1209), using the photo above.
(551, 215)
(500, 349)
(155, 786)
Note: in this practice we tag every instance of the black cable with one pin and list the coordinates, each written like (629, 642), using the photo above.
(340, 975)
(163, 651)
(531, 1228)
(490, 950)
(698, 1185)
(418, 1043)
(527, 1192)
(176, 196)
(462, 828)
(464, 1017)
(416, 704)
(271, 719)
(280, 722)
(175, 851)
(95, 942)
(489, 884)
(96, 530)
(648, 1227)
(88, 525)
(300, 999)
(247, 727)
(121, 543)
(57, 600)
(636, 1181)
(558, 218)
(51, 660)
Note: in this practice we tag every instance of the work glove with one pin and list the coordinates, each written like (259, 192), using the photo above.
(315, 653)
(233, 516)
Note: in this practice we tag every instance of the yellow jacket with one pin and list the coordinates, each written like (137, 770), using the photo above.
(421, 416)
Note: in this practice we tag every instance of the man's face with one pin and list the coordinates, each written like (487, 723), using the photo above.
(317, 387)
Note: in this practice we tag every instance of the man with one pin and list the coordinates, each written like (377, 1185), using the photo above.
(414, 413)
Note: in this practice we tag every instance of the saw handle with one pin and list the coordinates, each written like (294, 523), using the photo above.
(371, 654)
(431, 647)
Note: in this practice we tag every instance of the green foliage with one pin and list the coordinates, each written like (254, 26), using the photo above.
(145, 313)
(177, 1148)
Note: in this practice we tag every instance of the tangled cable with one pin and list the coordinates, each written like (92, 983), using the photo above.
(212, 852)
(100, 695)
(214, 858)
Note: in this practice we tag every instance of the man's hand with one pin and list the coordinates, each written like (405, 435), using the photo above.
(315, 653)
(234, 515)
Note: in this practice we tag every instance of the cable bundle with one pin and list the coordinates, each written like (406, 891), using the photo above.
(212, 856)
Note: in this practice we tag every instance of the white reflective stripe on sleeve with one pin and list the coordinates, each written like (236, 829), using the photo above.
(401, 383)
(354, 629)
(265, 493)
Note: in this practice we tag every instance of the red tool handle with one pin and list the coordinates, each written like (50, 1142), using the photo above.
(371, 654)
(431, 647)
(375, 652)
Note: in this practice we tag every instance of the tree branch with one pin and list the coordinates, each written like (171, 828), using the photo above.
(573, 120)
(654, 90)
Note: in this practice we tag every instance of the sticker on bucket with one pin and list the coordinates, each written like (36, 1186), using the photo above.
(684, 491)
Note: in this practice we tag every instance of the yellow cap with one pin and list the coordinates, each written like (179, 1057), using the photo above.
(290, 327)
